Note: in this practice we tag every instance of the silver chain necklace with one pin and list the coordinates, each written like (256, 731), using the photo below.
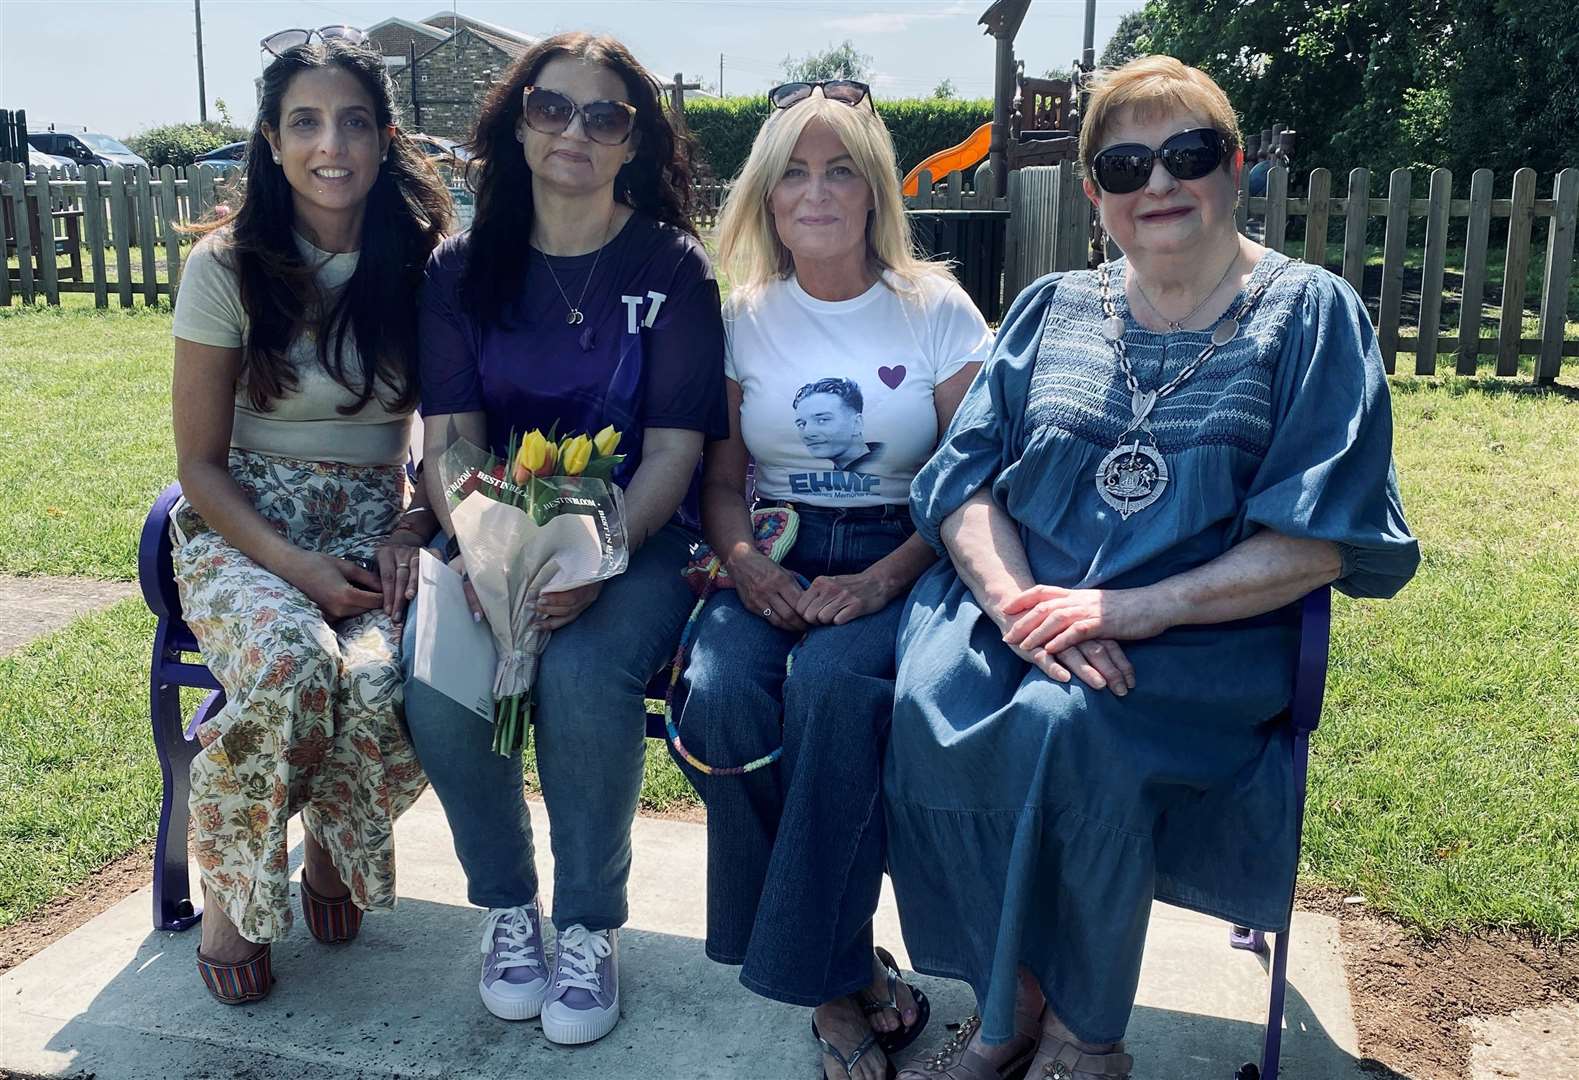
(574, 316)
(1176, 325)
(1134, 473)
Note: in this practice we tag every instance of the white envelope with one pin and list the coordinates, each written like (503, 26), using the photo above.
(452, 653)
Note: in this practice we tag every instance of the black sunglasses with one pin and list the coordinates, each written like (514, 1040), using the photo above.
(1189, 155)
(844, 91)
(283, 41)
(551, 113)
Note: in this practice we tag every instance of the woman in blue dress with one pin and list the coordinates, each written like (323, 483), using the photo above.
(1159, 459)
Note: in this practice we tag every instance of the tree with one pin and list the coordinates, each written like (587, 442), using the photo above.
(842, 61)
(945, 91)
(1462, 83)
(1131, 38)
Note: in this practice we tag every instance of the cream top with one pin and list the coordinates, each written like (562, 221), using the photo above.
(304, 424)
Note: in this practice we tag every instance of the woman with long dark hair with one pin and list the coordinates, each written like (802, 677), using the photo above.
(580, 298)
(294, 384)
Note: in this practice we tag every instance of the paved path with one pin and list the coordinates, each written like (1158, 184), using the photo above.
(1532, 1044)
(118, 1000)
(35, 606)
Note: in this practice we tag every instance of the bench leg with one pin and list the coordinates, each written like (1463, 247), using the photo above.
(174, 908)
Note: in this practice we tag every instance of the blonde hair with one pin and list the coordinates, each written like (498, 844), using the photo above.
(1151, 86)
(749, 247)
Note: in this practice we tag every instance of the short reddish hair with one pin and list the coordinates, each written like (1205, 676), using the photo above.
(1152, 86)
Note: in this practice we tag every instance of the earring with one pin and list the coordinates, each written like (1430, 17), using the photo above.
(276, 159)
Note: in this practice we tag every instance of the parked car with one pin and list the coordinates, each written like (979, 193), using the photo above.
(39, 162)
(224, 159)
(85, 148)
(442, 149)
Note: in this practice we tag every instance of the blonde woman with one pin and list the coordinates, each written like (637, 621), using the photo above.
(847, 355)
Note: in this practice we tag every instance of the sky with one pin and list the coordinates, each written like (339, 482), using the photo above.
(121, 66)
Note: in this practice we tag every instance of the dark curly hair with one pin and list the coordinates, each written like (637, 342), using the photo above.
(408, 212)
(656, 182)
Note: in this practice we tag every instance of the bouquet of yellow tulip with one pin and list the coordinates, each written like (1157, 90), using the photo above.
(547, 517)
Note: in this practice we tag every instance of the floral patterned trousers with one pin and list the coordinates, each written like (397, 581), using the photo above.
(313, 713)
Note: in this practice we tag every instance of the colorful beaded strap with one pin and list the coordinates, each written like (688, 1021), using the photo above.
(773, 530)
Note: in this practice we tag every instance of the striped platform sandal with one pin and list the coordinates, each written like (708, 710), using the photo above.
(332, 922)
(240, 983)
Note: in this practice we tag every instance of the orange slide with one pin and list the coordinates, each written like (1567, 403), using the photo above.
(963, 156)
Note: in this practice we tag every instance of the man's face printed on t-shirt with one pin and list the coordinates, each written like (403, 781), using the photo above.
(830, 428)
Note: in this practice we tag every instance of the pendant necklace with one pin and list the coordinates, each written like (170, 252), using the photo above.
(1134, 473)
(574, 316)
(1176, 325)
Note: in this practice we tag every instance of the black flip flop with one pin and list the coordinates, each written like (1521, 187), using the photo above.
(857, 1054)
(892, 1042)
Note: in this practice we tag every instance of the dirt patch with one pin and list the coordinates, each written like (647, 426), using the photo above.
(1411, 997)
(98, 893)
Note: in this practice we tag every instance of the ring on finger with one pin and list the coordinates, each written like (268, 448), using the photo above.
(767, 613)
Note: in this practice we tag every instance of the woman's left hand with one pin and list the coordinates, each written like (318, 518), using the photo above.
(1054, 619)
(397, 557)
(838, 599)
(558, 609)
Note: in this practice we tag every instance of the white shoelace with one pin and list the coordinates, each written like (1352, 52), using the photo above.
(516, 950)
(580, 950)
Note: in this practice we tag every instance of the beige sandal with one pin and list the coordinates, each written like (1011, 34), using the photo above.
(958, 1058)
(1058, 1059)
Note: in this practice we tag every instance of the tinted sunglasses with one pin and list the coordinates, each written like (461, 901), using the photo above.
(844, 91)
(283, 41)
(606, 122)
(1189, 155)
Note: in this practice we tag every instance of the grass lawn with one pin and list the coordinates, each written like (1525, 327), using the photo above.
(1445, 777)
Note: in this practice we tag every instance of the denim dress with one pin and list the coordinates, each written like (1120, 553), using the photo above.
(795, 850)
(1033, 822)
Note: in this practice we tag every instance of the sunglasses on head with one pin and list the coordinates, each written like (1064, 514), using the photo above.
(1189, 155)
(283, 41)
(844, 91)
(551, 113)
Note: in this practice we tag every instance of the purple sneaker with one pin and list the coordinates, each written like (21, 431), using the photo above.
(515, 968)
(584, 1003)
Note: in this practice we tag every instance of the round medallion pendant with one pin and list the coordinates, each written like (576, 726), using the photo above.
(1132, 477)
(1224, 332)
(575, 318)
(1112, 328)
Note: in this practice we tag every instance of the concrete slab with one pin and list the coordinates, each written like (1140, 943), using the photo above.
(1531, 1044)
(120, 1001)
(36, 606)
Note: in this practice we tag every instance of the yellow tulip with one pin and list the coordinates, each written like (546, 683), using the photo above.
(535, 457)
(574, 455)
(606, 441)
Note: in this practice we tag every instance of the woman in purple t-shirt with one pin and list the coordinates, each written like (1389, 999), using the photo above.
(580, 298)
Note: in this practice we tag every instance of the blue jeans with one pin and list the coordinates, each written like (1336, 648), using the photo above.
(589, 728)
(795, 850)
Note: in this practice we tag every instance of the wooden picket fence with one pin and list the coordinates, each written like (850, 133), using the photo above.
(109, 212)
(1052, 224)
(1430, 339)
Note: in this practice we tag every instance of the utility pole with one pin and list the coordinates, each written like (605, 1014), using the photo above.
(202, 91)
(1088, 53)
(720, 74)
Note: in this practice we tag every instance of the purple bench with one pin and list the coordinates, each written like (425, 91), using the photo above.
(175, 909)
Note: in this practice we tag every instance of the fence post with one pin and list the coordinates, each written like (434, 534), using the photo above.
(1521, 220)
(146, 236)
(5, 178)
(94, 232)
(1014, 239)
(1437, 207)
(1320, 200)
(1358, 207)
(24, 231)
(1242, 207)
(1559, 267)
(1476, 236)
(120, 222)
(1393, 245)
(1276, 219)
(48, 281)
(172, 238)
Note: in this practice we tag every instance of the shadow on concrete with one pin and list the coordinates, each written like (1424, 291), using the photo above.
(401, 1001)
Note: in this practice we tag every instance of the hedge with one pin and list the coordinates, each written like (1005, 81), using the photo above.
(725, 127)
(178, 144)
